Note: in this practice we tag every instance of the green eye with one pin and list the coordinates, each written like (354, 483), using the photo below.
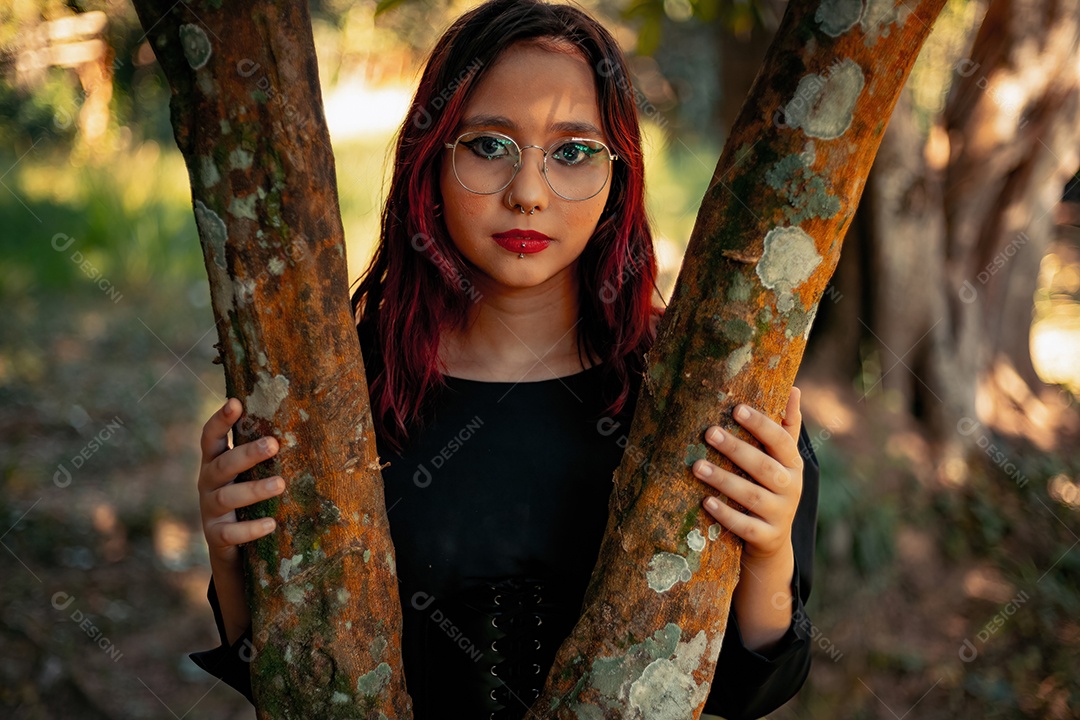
(575, 153)
(488, 147)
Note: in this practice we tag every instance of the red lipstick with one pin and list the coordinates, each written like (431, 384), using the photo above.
(522, 241)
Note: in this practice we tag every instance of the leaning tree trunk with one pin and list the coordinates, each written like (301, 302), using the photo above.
(765, 244)
(326, 622)
(247, 116)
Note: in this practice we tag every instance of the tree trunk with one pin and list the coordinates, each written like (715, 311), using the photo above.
(956, 220)
(765, 244)
(1013, 125)
(247, 116)
(324, 601)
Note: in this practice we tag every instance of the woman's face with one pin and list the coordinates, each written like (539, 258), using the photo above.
(531, 89)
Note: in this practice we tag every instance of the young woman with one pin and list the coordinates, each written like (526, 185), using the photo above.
(503, 320)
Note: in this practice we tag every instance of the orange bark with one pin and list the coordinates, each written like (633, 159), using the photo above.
(765, 244)
(247, 116)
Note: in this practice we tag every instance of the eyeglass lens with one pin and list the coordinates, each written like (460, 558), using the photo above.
(576, 169)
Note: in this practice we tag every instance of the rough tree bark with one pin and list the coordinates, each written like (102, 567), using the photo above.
(324, 602)
(247, 115)
(765, 244)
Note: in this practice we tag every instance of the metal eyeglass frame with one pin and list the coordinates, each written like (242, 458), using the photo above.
(612, 157)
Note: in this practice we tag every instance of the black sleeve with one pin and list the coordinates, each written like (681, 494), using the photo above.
(752, 684)
(231, 663)
(748, 684)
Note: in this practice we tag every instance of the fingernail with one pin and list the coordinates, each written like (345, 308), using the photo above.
(717, 435)
(273, 483)
(268, 524)
(742, 413)
(712, 503)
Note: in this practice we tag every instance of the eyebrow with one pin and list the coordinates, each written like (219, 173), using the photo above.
(571, 126)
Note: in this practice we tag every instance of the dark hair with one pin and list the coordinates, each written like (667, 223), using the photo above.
(417, 280)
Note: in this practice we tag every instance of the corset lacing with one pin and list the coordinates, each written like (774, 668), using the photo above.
(518, 614)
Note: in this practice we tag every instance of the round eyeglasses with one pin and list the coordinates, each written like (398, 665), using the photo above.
(486, 162)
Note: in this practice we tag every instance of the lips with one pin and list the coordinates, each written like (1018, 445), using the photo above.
(521, 235)
(522, 241)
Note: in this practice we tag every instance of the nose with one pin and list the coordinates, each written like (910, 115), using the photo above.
(530, 188)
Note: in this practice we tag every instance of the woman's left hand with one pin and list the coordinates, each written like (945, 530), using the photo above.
(770, 502)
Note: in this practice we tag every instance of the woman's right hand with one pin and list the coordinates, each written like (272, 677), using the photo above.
(219, 495)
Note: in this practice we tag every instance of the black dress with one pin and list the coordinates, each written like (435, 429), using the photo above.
(497, 510)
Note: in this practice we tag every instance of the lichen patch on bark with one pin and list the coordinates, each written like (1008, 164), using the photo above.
(788, 261)
(666, 569)
(737, 360)
(196, 45)
(805, 192)
(694, 453)
(244, 207)
(836, 17)
(214, 234)
(823, 106)
(373, 682)
(877, 17)
(267, 396)
(666, 689)
(289, 566)
(240, 159)
(739, 290)
(213, 231)
(695, 540)
(208, 172)
(799, 322)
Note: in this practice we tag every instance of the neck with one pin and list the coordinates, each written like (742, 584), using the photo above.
(515, 333)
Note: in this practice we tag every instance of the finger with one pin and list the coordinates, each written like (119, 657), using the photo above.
(792, 419)
(237, 495)
(750, 495)
(750, 529)
(225, 467)
(777, 440)
(225, 534)
(765, 469)
(215, 433)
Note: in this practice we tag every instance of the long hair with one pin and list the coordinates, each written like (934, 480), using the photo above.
(418, 282)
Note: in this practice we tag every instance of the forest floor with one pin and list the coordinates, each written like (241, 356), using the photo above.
(940, 594)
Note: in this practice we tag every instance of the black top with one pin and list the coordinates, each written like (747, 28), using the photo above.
(497, 511)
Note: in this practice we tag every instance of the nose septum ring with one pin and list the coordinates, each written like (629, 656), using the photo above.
(510, 200)
(511, 196)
